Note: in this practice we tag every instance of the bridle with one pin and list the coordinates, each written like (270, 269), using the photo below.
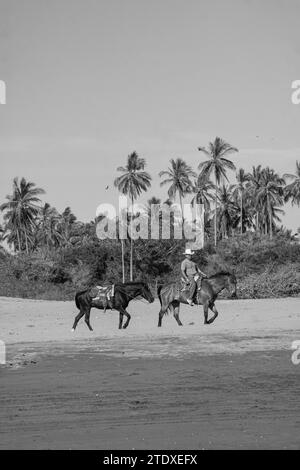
(143, 300)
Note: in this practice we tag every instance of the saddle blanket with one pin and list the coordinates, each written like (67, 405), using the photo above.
(103, 292)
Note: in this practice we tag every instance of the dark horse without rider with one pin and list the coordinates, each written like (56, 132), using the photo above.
(123, 294)
(170, 296)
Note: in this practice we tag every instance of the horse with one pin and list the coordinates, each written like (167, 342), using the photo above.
(171, 297)
(123, 294)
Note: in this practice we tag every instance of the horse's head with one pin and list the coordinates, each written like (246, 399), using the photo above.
(146, 293)
(231, 285)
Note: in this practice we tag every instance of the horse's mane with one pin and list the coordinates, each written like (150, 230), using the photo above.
(220, 273)
(131, 283)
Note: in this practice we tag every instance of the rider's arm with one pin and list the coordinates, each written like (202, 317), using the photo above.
(201, 272)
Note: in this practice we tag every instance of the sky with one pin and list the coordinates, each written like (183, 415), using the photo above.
(90, 81)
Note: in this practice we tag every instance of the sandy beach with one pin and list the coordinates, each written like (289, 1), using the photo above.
(230, 384)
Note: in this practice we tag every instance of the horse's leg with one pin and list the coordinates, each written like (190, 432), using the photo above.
(77, 318)
(216, 313)
(160, 316)
(120, 319)
(175, 306)
(128, 319)
(87, 318)
(162, 312)
(166, 300)
(205, 310)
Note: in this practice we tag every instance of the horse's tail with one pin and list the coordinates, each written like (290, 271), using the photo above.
(78, 294)
(164, 309)
(158, 294)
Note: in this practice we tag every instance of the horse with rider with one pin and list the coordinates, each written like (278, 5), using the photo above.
(196, 288)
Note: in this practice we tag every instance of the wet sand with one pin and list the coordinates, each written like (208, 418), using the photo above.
(228, 385)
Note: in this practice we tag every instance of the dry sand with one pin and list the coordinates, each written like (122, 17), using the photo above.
(230, 384)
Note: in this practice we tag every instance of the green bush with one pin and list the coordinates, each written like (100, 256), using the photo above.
(264, 267)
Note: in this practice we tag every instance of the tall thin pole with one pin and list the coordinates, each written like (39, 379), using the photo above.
(123, 263)
(131, 243)
(216, 210)
(241, 212)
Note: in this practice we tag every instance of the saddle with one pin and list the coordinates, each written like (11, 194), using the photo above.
(104, 294)
(183, 287)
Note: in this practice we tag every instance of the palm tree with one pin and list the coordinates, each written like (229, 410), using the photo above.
(202, 188)
(21, 210)
(227, 210)
(269, 196)
(66, 225)
(240, 189)
(153, 201)
(217, 164)
(292, 190)
(178, 177)
(253, 187)
(133, 182)
(48, 233)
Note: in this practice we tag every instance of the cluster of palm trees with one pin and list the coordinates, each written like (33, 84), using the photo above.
(29, 225)
(254, 202)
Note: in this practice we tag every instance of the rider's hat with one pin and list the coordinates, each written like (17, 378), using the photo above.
(188, 251)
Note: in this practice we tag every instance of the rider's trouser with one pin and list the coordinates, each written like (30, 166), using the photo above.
(192, 288)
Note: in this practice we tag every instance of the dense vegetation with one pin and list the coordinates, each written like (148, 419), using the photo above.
(52, 254)
(264, 267)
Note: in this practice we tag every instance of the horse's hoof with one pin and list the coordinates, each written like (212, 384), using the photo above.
(73, 329)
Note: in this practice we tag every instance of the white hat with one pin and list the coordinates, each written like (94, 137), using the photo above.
(188, 251)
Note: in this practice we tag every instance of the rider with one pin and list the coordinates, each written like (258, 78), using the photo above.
(190, 271)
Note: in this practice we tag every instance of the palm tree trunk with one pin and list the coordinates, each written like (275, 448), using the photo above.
(182, 215)
(26, 241)
(131, 243)
(123, 264)
(270, 220)
(241, 213)
(216, 207)
(19, 241)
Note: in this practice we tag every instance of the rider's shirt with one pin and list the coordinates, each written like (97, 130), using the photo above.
(189, 267)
